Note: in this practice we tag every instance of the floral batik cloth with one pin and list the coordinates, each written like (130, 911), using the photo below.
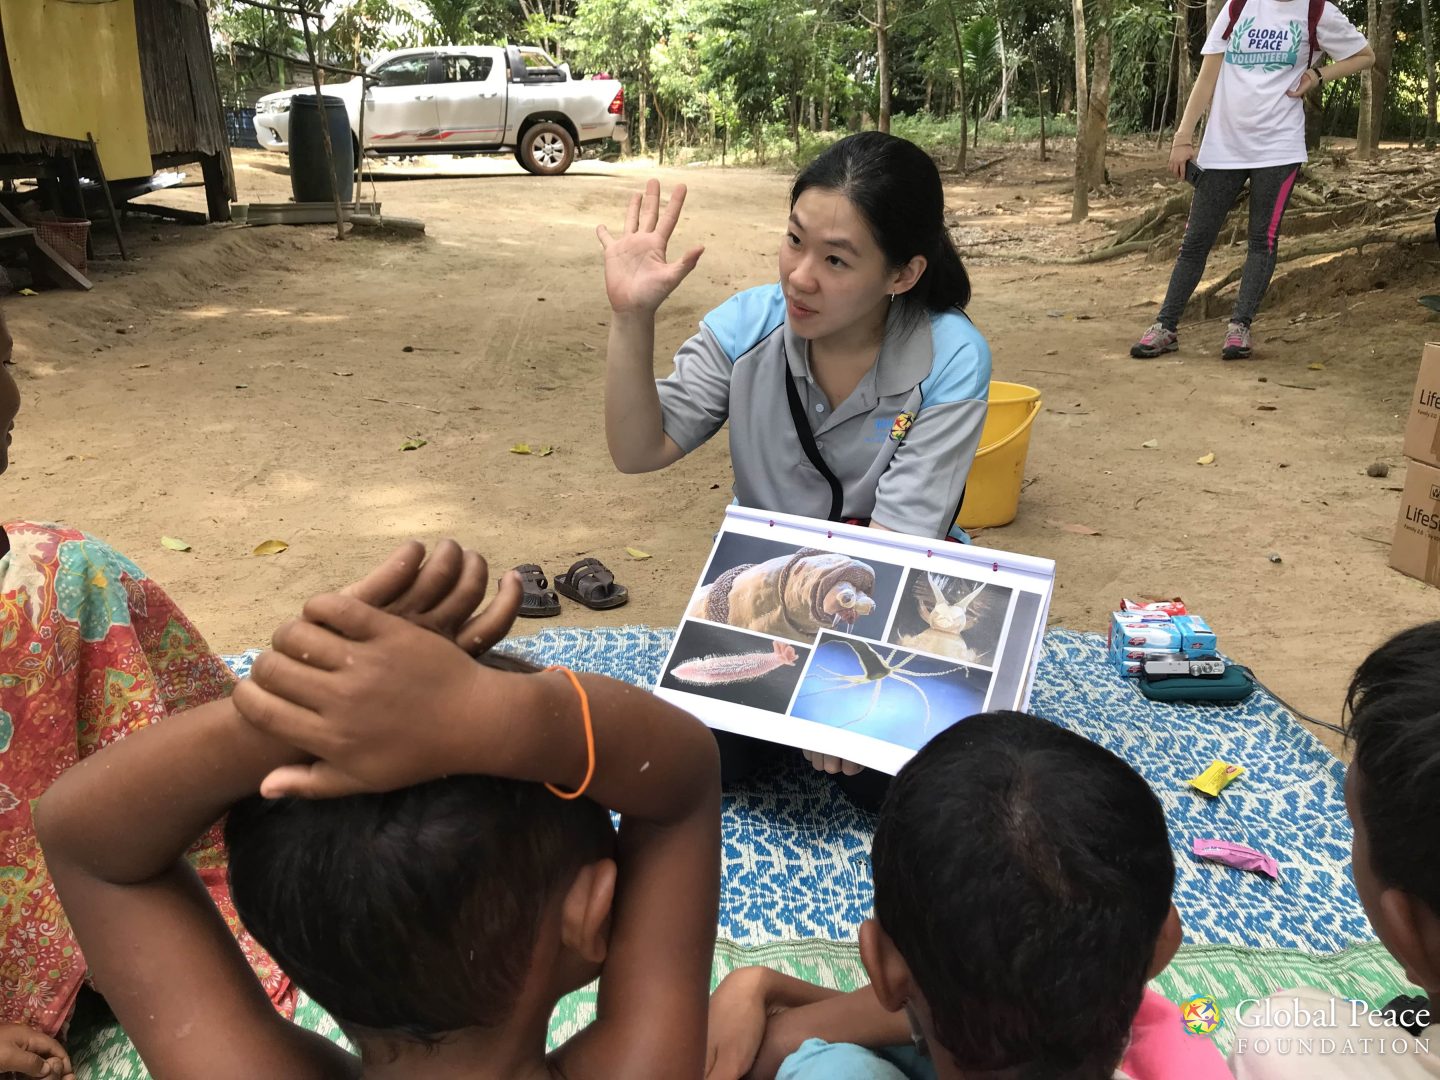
(90, 650)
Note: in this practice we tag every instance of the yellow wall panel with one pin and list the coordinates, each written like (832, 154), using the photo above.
(76, 68)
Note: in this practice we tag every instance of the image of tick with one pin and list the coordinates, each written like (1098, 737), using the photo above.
(731, 665)
(887, 693)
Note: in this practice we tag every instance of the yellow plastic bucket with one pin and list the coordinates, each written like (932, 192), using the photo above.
(992, 492)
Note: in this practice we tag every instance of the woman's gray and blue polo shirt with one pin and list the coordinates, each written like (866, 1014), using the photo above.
(901, 445)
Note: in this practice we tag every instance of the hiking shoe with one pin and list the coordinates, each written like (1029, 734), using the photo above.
(1155, 341)
(1237, 342)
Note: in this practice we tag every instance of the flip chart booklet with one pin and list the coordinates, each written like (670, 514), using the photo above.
(852, 641)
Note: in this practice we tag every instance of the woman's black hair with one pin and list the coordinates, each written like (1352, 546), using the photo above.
(896, 188)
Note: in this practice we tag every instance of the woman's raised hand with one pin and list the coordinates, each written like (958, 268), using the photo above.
(638, 276)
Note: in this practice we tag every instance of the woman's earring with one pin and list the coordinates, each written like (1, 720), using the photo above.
(892, 298)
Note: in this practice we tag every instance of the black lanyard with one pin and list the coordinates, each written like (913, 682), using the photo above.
(807, 443)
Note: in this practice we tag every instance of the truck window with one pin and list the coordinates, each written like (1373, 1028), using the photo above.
(404, 71)
(467, 68)
(534, 58)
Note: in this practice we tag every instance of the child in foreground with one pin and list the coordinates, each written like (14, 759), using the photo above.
(1022, 900)
(1392, 790)
(406, 865)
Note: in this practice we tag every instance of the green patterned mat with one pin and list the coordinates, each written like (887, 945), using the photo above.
(101, 1051)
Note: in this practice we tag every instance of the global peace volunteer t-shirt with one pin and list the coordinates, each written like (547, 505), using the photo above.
(1252, 123)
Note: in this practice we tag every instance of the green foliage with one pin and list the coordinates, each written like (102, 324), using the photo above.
(770, 80)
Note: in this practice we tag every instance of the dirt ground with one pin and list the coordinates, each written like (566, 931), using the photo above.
(233, 385)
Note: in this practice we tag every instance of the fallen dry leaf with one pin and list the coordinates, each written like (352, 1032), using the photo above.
(1150, 444)
(1080, 530)
(270, 547)
(1208, 459)
(636, 553)
(174, 544)
(1317, 366)
(521, 448)
(343, 374)
(415, 443)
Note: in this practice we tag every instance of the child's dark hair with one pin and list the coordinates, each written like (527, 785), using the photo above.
(412, 913)
(1025, 874)
(896, 188)
(1394, 719)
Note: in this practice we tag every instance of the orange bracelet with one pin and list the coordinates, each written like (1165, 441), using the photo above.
(589, 737)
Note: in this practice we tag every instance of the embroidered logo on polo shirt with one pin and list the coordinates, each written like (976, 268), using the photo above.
(901, 427)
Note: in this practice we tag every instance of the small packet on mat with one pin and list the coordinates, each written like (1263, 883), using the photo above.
(1237, 855)
(1213, 780)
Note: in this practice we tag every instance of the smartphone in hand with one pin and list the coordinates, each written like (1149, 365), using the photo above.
(1192, 172)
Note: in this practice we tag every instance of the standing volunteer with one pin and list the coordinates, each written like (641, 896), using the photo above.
(1257, 68)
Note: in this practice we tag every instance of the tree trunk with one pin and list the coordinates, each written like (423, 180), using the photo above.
(1212, 12)
(1080, 200)
(929, 95)
(1377, 79)
(882, 64)
(1427, 37)
(1184, 75)
(1039, 104)
(1004, 67)
(1098, 100)
(643, 113)
(960, 105)
(825, 107)
(1157, 114)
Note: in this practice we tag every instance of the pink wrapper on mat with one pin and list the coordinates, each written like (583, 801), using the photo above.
(1237, 855)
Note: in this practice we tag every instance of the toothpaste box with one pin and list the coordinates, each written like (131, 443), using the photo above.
(1136, 637)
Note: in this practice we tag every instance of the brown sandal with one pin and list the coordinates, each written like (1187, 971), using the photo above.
(537, 599)
(591, 583)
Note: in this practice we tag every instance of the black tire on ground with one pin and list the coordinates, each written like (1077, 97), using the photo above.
(546, 149)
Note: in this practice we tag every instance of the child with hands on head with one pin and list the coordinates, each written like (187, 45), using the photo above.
(394, 846)
(1023, 878)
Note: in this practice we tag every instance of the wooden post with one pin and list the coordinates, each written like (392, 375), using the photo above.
(305, 17)
(217, 198)
(109, 199)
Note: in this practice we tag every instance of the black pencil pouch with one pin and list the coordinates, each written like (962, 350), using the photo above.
(1235, 685)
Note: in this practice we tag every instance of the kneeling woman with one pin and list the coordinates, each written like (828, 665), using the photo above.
(855, 386)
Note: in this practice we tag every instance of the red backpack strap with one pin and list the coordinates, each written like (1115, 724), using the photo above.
(1236, 7)
(1317, 9)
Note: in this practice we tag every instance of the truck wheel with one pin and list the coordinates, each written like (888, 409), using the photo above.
(546, 149)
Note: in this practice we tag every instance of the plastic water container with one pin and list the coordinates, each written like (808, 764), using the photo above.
(992, 492)
(310, 178)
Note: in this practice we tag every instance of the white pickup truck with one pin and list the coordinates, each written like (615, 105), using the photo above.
(468, 99)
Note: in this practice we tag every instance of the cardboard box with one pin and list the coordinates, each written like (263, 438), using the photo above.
(1182, 633)
(1416, 550)
(1422, 430)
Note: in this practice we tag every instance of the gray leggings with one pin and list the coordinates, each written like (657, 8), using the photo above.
(1215, 194)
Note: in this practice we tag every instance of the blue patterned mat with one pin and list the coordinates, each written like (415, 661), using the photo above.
(796, 853)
